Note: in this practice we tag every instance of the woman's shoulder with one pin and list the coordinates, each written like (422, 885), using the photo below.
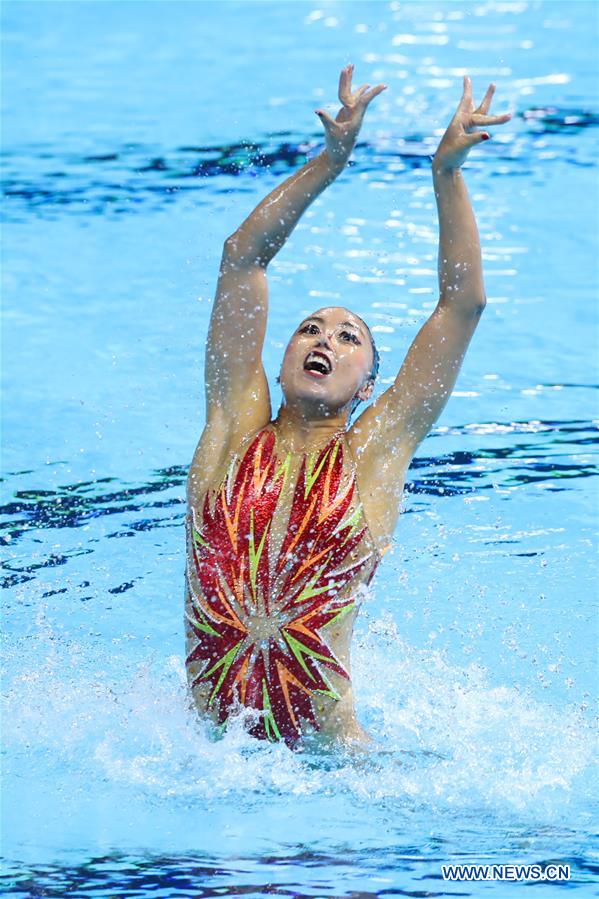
(215, 458)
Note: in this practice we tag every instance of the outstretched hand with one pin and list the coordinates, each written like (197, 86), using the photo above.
(342, 132)
(461, 134)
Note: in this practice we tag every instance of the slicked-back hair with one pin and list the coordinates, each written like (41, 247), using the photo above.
(376, 363)
(376, 356)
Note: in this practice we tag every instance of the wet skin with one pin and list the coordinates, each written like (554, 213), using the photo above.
(328, 360)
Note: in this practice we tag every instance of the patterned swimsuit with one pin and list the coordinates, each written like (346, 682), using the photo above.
(258, 616)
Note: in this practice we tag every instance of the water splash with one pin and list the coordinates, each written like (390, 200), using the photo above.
(447, 738)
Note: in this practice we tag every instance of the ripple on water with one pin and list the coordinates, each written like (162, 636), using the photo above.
(543, 453)
(134, 178)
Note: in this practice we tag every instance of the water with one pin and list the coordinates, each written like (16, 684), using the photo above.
(136, 137)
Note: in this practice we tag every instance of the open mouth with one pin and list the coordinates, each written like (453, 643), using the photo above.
(318, 364)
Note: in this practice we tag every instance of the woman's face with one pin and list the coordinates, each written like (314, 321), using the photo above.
(327, 361)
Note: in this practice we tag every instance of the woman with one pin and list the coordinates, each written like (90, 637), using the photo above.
(288, 518)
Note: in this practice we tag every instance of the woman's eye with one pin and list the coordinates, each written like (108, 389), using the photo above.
(348, 336)
(309, 329)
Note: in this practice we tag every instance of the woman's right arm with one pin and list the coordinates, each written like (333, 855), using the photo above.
(237, 395)
(236, 387)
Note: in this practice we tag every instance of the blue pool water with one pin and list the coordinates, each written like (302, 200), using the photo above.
(136, 136)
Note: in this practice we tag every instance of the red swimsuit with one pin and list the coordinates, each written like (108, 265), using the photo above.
(257, 622)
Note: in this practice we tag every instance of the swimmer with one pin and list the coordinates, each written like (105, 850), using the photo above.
(288, 517)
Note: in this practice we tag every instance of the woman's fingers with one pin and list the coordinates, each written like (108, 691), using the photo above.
(467, 92)
(477, 137)
(363, 94)
(325, 118)
(478, 119)
(345, 84)
(373, 92)
(484, 106)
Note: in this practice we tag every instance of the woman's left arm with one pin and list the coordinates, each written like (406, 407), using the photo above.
(460, 266)
(386, 436)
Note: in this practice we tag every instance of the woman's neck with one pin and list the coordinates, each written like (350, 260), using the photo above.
(299, 434)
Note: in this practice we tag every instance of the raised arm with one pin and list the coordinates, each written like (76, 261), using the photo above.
(387, 434)
(236, 389)
(237, 395)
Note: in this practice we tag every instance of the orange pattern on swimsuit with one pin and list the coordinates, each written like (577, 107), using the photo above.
(258, 622)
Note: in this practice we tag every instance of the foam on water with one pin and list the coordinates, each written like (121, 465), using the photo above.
(447, 738)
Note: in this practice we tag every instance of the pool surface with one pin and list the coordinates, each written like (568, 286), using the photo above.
(136, 137)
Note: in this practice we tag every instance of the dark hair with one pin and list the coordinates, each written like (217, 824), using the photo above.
(376, 362)
(376, 356)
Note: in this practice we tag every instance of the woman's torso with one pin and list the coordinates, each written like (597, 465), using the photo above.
(278, 553)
